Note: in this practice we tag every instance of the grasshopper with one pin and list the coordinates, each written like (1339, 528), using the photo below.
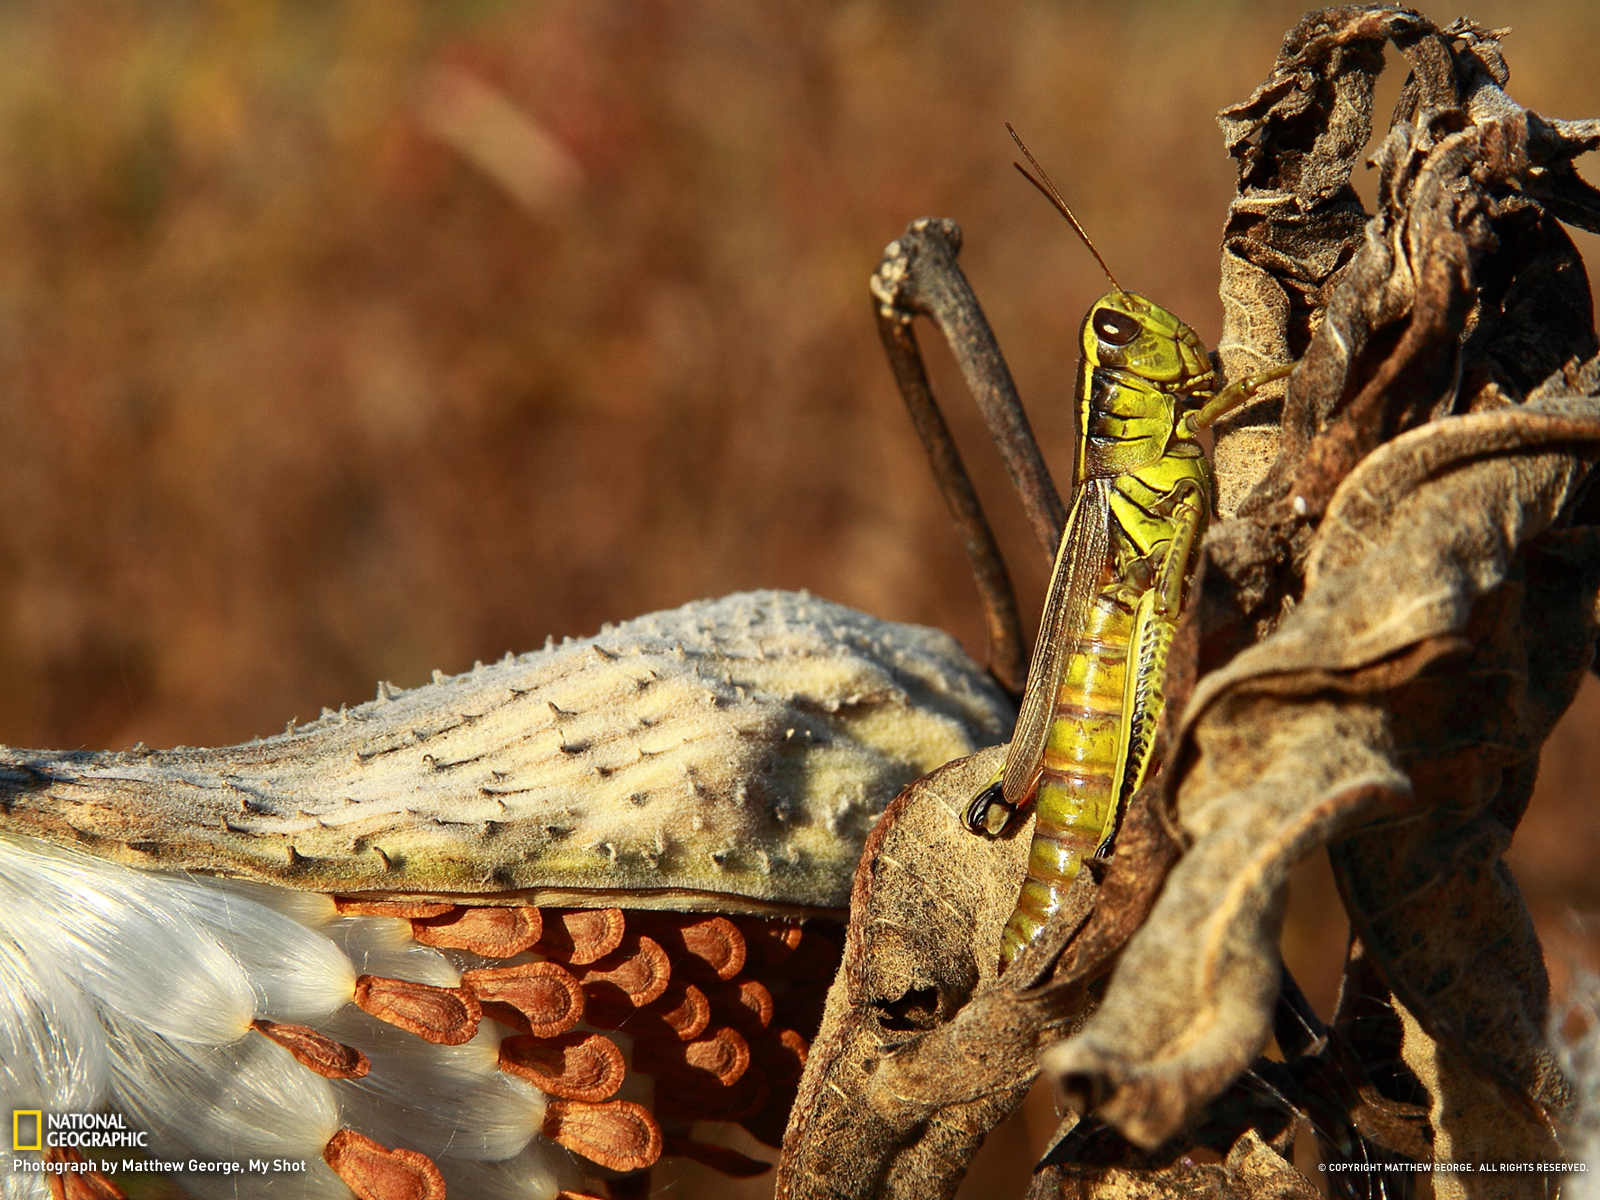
(1142, 497)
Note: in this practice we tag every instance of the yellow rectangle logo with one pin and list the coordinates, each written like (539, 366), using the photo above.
(21, 1118)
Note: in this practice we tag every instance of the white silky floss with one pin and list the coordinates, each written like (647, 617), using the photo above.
(135, 990)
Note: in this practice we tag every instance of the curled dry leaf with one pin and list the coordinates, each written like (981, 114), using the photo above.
(1421, 529)
(927, 909)
(1381, 634)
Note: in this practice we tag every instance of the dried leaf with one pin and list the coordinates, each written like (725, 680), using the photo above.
(1378, 642)
(928, 906)
(1444, 617)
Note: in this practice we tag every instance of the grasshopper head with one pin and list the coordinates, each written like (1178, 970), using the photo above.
(1125, 330)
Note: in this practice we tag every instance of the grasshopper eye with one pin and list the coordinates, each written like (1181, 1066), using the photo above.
(1117, 328)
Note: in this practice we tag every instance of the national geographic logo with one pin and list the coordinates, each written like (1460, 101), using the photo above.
(31, 1129)
(27, 1129)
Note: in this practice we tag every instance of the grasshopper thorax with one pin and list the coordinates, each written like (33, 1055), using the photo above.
(1125, 331)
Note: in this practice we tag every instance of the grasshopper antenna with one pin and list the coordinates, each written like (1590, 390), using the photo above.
(1050, 194)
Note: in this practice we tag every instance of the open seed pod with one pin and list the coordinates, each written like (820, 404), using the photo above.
(492, 935)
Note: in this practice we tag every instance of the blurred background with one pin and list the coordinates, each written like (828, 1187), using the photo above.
(342, 341)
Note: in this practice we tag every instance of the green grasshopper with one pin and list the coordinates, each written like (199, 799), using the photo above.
(1142, 497)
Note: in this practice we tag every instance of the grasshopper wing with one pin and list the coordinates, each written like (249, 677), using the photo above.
(1080, 563)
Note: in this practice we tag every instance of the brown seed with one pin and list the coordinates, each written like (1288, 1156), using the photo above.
(582, 935)
(688, 1017)
(723, 1159)
(574, 1066)
(682, 1013)
(746, 1004)
(701, 945)
(781, 1055)
(548, 997)
(78, 1184)
(768, 941)
(328, 1058)
(723, 1057)
(491, 932)
(620, 1134)
(447, 1016)
(375, 1172)
(355, 906)
(640, 972)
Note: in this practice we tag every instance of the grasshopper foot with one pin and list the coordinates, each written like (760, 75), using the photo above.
(990, 812)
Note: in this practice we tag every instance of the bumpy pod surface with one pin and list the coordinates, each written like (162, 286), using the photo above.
(729, 755)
